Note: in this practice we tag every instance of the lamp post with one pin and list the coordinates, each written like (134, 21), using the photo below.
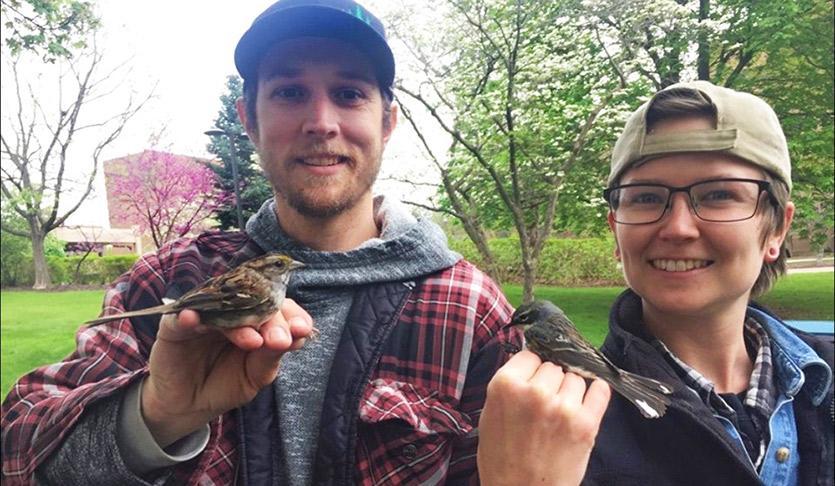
(231, 137)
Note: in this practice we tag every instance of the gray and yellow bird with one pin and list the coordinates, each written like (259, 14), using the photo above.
(552, 336)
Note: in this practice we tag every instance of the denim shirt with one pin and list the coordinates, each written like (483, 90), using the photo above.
(795, 365)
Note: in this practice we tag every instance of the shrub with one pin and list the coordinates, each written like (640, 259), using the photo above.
(13, 259)
(16, 268)
(115, 265)
(564, 261)
(96, 270)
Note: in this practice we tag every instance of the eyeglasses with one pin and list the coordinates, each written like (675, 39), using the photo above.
(718, 200)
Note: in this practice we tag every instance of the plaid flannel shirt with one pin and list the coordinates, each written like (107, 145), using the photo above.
(418, 413)
(762, 391)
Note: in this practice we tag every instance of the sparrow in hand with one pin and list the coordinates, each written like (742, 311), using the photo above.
(552, 336)
(247, 295)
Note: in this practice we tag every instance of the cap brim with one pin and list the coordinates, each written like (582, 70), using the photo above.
(312, 21)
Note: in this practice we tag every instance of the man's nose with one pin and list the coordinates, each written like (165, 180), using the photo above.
(321, 118)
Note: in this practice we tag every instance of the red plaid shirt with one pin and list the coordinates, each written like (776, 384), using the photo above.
(417, 415)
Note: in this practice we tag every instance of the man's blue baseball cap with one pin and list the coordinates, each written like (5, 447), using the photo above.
(338, 19)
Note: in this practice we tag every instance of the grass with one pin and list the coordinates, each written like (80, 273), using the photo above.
(807, 296)
(37, 328)
(801, 296)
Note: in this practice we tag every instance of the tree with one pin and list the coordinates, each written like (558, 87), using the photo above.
(16, 251)
(50, 28)
(253, 186)
(166, 195)
(37, 142)
(526, 92)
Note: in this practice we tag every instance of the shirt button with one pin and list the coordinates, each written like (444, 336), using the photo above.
(410, 451)
(782, 454)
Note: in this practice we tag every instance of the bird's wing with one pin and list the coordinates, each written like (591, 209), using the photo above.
(569, 348)
(233, 290)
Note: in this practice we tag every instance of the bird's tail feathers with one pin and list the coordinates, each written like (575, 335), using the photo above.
(159, 309)
(656, 385)
(647, 394)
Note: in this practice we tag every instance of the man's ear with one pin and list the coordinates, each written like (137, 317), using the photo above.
(775, 240)
(388, 130)
(249, 125)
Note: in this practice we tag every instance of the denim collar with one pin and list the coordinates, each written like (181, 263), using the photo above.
(795, 363)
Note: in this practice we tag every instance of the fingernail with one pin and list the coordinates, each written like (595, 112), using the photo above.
(298, 321)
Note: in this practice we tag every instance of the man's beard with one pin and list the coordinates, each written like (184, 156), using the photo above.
(309, 202)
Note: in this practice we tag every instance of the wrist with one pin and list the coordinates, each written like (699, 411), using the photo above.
(166, 427)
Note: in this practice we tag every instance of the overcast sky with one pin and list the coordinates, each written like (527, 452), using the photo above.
(185, 48)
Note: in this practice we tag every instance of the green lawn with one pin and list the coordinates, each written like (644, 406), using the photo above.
(38, 327)
(806, 296)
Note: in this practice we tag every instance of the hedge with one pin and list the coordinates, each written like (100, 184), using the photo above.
(94, 270)
(564, 261)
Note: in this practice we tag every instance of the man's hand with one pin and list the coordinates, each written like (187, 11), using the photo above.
(538, 424)
(197, 373)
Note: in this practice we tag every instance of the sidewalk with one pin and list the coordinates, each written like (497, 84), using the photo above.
(810, 269)
(808, 265)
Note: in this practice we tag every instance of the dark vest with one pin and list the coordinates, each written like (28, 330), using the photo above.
(373, 315)
(688, 446)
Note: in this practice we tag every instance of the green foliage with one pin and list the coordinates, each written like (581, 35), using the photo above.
(53, 247)
(253, 186)
(51, 28)
(795, 72)
(16, 267)
(94, 270)
(14, 251)
(526, 118)
(564, 261)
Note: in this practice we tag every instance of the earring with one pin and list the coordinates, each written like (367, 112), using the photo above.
(773, 253)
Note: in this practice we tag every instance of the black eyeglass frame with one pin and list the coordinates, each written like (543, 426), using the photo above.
(764, 186)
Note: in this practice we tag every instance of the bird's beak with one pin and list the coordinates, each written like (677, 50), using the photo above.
(513, 322)
(524, 327)
(296, 264)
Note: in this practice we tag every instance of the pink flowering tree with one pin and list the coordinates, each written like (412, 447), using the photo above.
(166, 195)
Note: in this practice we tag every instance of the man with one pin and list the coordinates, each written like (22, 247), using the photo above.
(410, 334)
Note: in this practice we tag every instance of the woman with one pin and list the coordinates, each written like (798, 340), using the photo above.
(699, 207)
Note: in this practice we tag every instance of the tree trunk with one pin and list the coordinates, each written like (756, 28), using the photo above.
(703, 63)
(490, 267)
(527, 287)
(528, 278)
(42, 280)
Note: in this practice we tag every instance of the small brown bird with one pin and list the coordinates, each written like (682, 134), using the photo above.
(247, 295)
(552, 336)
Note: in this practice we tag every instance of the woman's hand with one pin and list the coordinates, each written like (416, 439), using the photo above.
(539, 424)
